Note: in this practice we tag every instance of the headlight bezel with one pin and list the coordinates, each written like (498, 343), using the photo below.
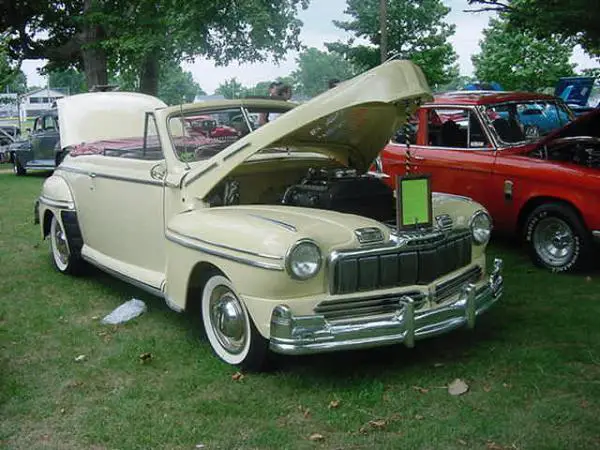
(288, 259)
(472, 222)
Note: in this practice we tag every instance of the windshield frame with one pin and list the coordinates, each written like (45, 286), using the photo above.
(556, 103)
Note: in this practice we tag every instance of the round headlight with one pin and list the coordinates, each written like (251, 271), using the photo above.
(481, 227)
(303, 260)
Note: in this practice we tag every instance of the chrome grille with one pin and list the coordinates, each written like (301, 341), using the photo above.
(444, 222)
(421, 261)
(349, 308)
(449, 288)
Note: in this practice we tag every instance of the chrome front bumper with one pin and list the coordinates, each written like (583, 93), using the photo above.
(300, 335)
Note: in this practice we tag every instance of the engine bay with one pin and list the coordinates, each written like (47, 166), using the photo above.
(580, 150)
(332, 188)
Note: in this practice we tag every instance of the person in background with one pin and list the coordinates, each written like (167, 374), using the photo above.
(277, 91)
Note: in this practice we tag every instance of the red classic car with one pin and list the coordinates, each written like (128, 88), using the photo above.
(519, 154)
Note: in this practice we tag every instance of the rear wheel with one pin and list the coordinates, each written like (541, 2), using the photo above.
(66, 259)
(229, 328)
(557, 238)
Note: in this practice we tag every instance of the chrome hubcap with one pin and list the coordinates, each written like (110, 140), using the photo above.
(554, 241)
(60, 244)
(228, 320)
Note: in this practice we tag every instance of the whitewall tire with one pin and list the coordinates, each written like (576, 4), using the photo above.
(229, 328)
(65, 259)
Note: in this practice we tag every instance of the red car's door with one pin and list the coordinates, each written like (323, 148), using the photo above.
(455, 150)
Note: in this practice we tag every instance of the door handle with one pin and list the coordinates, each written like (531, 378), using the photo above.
(92, 175)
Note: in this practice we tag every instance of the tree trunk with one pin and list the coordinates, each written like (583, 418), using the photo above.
(149, 75)
(94, 57)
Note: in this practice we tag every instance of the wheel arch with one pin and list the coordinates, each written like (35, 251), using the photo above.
(534, 202)
(196, 281)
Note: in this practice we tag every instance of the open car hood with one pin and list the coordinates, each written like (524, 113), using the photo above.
(97, 116)
(351, 123)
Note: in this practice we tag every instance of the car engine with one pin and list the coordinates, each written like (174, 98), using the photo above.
(345, 191)
(581, 150)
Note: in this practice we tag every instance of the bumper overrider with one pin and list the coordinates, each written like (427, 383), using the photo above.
(298, 335)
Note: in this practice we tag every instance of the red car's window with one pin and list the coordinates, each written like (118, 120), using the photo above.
(455, 128)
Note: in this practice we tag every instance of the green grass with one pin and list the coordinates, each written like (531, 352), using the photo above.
(532, 365)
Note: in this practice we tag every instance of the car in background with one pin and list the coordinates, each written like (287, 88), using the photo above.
(279, 240)
(8, 135)
(542, 184)
(41, 149)
(579, 93)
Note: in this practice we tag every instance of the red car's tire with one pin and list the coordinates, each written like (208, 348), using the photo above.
(557, 238)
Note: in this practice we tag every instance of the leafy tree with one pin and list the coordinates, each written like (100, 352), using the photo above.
(140, 36)
(12, 79)
(70, 78)
(520, 61)
(572, 20)
(231, 88)
(316, 68)
(416, 31)
(176, 86)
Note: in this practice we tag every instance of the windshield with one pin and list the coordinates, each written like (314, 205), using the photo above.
(201, 134)
(525, 121)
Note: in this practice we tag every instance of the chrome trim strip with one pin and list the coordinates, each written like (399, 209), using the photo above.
(596, 235)
(62, 204)
(234, 152)
(226, 247)
(128, 179)
(178, 239)
(139, 284)
(199, 174)
(285, 225)
(109, 177)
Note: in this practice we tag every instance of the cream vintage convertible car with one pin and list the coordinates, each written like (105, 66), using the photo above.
(279, 234)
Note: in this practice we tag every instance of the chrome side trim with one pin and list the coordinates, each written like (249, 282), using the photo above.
(226, 247)
(185, 242)
(285, 225)
(109, 177)
(199, 174)
(139, 284)
(61, 204)
(596, 235)
(127, 179)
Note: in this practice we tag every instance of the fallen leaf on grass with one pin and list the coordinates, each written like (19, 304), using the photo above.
(506, 385)
(584, 404)
(316, 437)
(378, 424)
(494, 446)
(145, 357)
(422, 390)
(458, 387)
(80, 358)
(462, 442)
(62, 410)
(419, 417)
(487, 388)
(238, 376)
(333, 404)
(306, 413)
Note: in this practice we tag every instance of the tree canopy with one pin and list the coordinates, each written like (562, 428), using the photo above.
(573, 20)
(231, 88)
(70, 78)
(520, 61)
(176, 86)
(141, 35)
(415, 31)
(316, 68)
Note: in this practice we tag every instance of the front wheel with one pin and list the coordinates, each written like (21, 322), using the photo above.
(557, 238)
(229, 328)
(18, 168)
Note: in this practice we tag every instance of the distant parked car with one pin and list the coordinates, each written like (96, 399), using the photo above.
(8, 135)
(41, 149)
(542, 185)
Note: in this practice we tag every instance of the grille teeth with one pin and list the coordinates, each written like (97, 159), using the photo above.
(444, 222)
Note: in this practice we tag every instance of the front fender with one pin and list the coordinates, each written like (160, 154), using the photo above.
(56, 196)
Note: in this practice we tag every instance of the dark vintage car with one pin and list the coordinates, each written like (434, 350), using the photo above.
(541, 184)
(8, 135)
(41, 149)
